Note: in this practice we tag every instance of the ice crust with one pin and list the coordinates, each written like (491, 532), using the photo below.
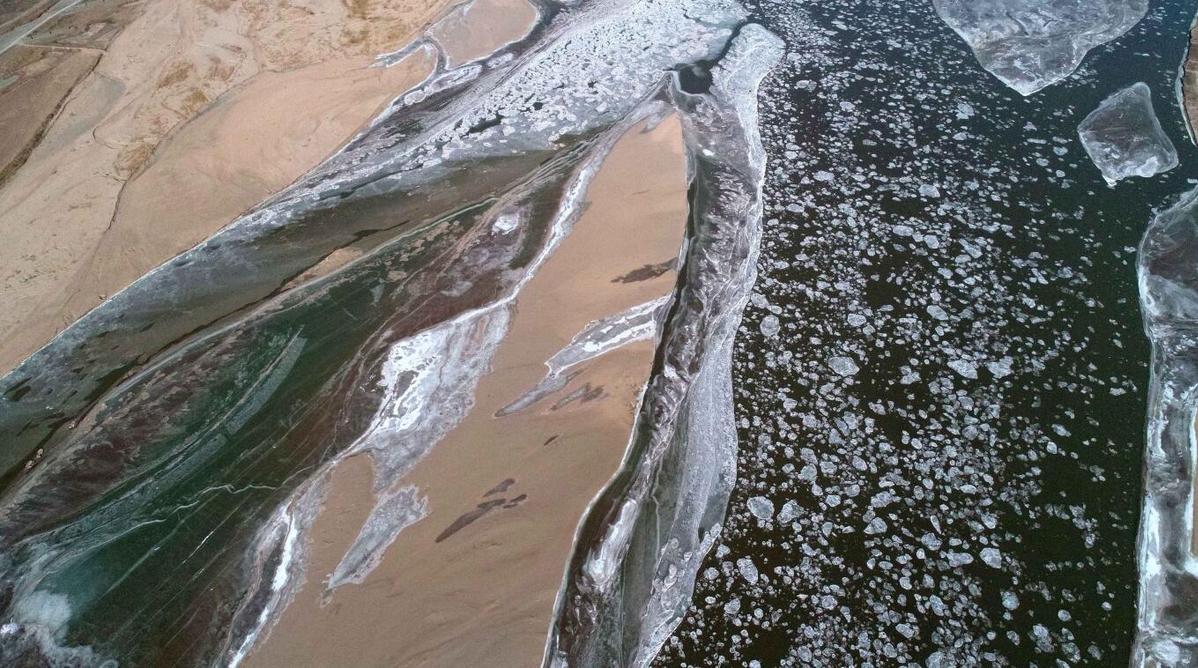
(645, 537)
(598, 338)
(1030, 44)
(1167, 625)
(1124, 138)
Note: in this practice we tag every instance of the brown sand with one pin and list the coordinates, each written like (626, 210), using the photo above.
(145, 127)
(39, 80)
(478, 28)
(483, 594)
(1189, 85)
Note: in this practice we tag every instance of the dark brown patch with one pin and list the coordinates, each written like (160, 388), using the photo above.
(582, 395)
(501, 487)
(646, 272)
(467, 518)
(552, 439)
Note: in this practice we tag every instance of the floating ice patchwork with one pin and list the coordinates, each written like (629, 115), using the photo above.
(1124, 138)
(1030, 44)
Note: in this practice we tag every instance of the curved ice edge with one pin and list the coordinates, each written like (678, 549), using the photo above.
(1014, 39)
(283, 539)
(681, 457)
(1167, 605)
(596, 339)
(1179, 87)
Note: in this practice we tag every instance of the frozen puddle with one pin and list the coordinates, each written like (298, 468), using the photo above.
(1030, 44)
(1124, 138)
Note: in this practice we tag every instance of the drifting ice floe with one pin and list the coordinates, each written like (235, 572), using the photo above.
(1167, 628)
(1124, 138)
(1031, 44)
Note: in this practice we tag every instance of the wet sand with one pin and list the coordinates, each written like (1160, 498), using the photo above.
(131, 131)
(474, 582)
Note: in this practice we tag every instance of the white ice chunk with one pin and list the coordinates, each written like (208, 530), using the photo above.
(956, 559)
(790, 510)
(1124, 138)
(748, 570)
(843, 366)
(965, 368)
(1030, 44)
(770, 326)
(762, 508)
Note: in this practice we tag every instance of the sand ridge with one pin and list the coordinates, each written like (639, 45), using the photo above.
(151, 125)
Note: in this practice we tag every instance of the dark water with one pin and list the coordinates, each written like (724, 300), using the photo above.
(970, 515)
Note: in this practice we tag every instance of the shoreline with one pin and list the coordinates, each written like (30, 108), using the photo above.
(1187, 84)
(531, 473)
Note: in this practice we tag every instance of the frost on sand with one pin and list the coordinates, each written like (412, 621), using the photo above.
(1124, 138)
(1030, 44)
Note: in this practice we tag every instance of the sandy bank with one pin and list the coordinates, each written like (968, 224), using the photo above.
(474, 582)
(138, 129)
(1189, 85)
(476, 29)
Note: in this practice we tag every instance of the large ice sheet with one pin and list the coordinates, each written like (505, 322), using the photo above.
(1167, 627)
(1030, 44)
(1124, 138)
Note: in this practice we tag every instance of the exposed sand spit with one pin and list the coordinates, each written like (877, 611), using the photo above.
(474, 582)
(141, 128)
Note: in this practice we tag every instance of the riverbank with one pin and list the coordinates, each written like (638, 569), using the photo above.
(132, 131)
(474, 581)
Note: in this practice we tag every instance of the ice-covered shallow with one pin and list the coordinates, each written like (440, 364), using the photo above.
(1030, 44)
(1124, 138)
(1167, 633)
